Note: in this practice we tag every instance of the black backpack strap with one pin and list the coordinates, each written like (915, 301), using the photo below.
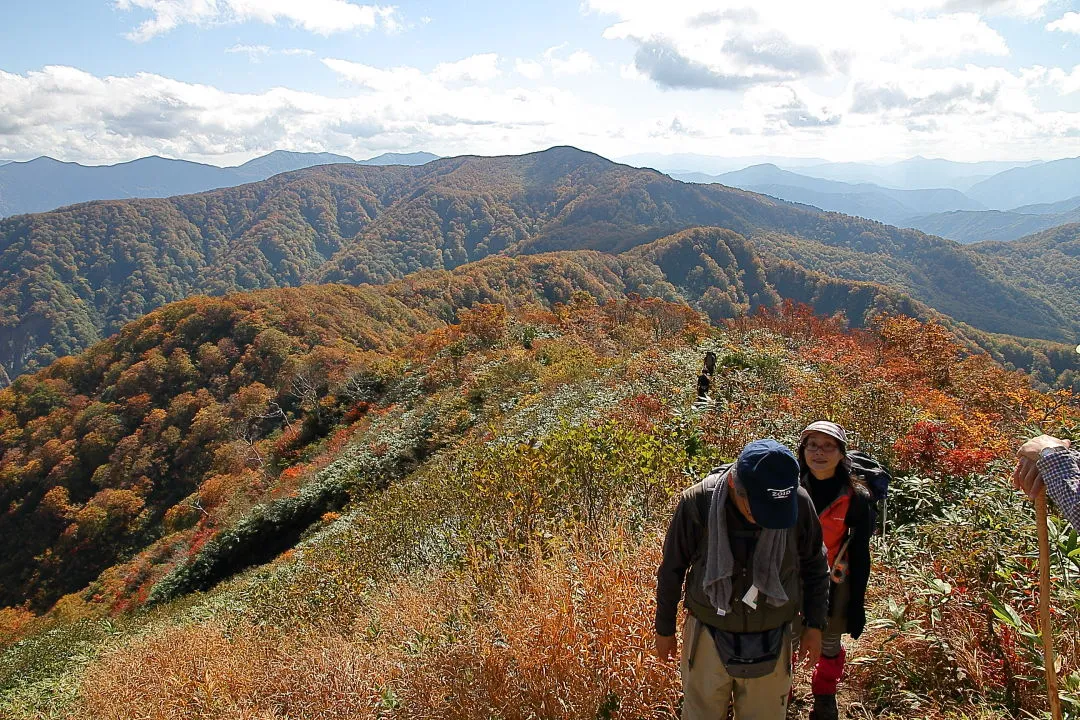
(704, 499)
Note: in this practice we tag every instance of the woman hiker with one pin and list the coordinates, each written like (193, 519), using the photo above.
(843, 504)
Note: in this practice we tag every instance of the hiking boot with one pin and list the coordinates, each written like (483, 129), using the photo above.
(824, 708)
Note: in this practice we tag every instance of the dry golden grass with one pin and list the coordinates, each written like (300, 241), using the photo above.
(203, 672)
(564, 637)
(568, 637)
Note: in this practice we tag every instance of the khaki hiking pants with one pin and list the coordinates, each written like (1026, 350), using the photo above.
(708, 690)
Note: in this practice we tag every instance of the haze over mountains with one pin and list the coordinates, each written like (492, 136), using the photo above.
(966, 202)
(914, 173)
(864, 199)
(45, 184)
(73, 276)
(954, 200)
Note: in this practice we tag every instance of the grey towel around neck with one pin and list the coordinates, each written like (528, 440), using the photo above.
(720, 563)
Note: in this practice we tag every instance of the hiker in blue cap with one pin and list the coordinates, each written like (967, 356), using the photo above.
(747, 541)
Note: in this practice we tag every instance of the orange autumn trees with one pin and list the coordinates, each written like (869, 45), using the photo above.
(906, 389)
(177, 429)
(98, 448)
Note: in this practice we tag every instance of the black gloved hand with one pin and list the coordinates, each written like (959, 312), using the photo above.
(856, 621)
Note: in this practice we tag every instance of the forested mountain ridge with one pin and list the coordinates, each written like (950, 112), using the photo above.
(966, 226)
(1051, 256)
(44, 184)
(369, 494)
(129, 428)
(70, 277)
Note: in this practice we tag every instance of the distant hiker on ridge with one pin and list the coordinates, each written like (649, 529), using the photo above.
(1047, 464)
(751, 566)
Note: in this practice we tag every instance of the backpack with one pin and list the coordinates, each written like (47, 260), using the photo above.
(876, 479)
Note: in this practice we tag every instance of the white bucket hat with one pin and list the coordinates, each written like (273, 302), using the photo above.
(828, 428)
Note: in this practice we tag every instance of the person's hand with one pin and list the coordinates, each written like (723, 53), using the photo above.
(665, 647)
(856, 621)
(810, 646)
(1031, 449)
(1026, 478)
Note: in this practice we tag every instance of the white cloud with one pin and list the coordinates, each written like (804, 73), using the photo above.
(846, 78)
(558, 63)
(256, 53)
(451, 109)
(783, 108)
(475, 105)
(323, 17)
(529, 69)
(1069, 22)
(577, 63)
(689, 44)
(1028, 9)
(1065, 82)
(959, 92)
(474, 69)
(373, 78)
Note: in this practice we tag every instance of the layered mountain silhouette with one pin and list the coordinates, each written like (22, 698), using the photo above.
(914, 173)
(864, 199)
(975, 226)
(1043, 183)
(71, 277)
(44, 184)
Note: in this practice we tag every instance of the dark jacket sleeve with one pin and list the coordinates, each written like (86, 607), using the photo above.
(858, 520)
(813, 564)
(684, 534)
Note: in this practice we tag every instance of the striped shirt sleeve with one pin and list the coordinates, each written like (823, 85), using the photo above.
(1060, 470)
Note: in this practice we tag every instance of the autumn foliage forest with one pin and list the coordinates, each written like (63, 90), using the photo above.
(74, 276)
(445, 497)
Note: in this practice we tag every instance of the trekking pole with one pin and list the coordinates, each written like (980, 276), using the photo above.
(1044, 606)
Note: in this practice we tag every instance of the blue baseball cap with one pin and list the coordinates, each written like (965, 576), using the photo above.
(769, 473)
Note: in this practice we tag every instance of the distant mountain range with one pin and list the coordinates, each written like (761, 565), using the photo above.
(945, 212)
(71, 277)
(966, 202)
(45, 184)
(968, 227)
(1043, 183)
(888, 205)
(684, 163)
(915, 173)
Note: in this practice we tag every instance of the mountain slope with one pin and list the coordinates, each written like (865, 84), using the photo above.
(1043, 183)
(70, 277)
(281, 161)
(966, 226)
(385, 515)
(1054, 208)
(390, 158)
(863, 199)
(164, 406)
(913, 173)
(43, 184)
(1051, 257)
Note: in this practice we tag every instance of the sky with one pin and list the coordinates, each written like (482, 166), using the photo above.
(222, 81)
